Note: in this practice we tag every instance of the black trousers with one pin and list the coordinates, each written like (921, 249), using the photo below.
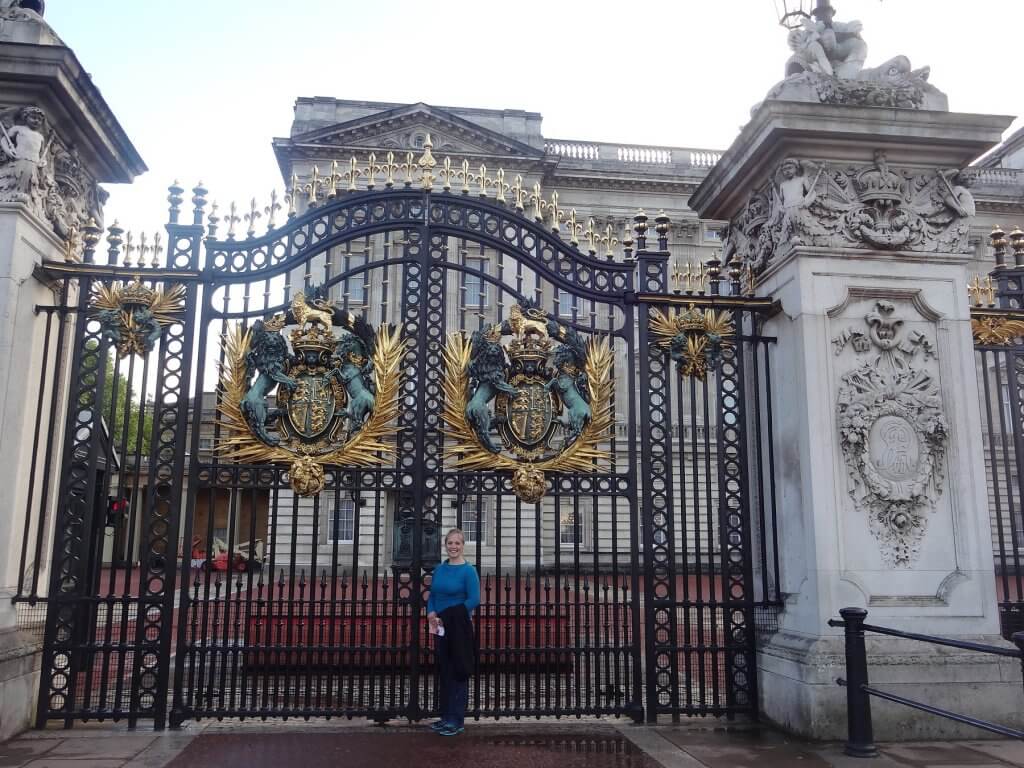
(452, 694)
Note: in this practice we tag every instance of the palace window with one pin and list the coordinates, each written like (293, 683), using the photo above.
(474, 522)
(341, 517)
(355, 286)
(712, 235)
(574, 524)
(474, 289)
(569, 305)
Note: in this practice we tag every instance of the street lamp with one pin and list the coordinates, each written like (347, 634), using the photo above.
(792, 13)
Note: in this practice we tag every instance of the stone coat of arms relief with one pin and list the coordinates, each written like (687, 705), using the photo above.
(873, 207)
(891, 429)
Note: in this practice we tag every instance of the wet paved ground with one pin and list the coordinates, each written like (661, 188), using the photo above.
(531, 744)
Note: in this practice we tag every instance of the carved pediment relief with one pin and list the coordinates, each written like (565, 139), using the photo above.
(406, 130)
(411, 139)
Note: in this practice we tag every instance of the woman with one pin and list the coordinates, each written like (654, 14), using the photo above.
(454, 594)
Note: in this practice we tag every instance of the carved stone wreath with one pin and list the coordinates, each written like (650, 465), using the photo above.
(893, 436)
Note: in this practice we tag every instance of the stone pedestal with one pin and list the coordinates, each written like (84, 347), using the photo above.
(59, 141)
(855, 220)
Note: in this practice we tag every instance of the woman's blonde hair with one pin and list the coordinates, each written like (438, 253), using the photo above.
(455, 530)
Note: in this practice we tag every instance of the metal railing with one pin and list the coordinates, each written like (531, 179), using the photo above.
(860, 735)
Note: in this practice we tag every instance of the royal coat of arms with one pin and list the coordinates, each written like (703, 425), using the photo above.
(541, 402)
(326, 399)
(133, 315)
(694, 338)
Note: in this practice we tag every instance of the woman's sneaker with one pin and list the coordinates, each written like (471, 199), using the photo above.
(439, 725)
(451, 730)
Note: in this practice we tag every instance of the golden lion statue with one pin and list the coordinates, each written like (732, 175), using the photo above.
(320, 312)
(533, 321)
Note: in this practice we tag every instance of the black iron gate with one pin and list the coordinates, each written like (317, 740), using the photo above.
(198, 571)
(998, 323)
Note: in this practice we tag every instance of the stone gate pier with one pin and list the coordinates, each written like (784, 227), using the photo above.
(858, 220)
(60, 139)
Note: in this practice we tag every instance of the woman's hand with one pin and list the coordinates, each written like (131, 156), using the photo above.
(434, 621)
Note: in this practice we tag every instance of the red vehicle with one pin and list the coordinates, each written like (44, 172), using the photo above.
(247, 556)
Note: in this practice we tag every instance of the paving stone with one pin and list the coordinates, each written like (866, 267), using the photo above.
(17, 753)
(1010, 751)
(937, 754)
(121, 746)
(67, 762)
(480, 747)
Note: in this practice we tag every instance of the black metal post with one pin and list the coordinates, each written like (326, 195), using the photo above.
(1018, 640)
(860, 740)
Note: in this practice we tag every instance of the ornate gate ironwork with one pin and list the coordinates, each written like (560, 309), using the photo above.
(997, 321)
(256, 573)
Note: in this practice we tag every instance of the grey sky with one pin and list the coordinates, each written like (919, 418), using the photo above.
(201, 87)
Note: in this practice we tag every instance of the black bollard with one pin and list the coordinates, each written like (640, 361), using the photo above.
(860, 738)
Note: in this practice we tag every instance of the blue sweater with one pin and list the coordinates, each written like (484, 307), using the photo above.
(454, 584)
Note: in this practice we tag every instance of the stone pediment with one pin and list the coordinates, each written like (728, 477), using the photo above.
(404, 130)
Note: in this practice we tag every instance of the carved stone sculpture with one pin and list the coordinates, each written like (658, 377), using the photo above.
(892, 431)
(872, 207)
(827, 66)
(37, 169)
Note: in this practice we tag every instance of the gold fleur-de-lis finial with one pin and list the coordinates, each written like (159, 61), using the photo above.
(609, 241)
(990, 291)
(447, 174)
(389, 179)
(538, 202)
(332, 181)
(409, 169)
(426, 164)
(251, 218)
(483, 181)
(500, 186)
(591, 237)
(676, 276)
(232, 218)
(293, 193)
(354, 172)
(974, 288)
(129, 248)
(271, 209)
(158, 250)
(700, 275)
(143, 250)
(312, 189)
(574, 228)
(519, 194)
(556, 212)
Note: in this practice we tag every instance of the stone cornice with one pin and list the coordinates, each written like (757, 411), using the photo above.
(840, 134)
(51, 77)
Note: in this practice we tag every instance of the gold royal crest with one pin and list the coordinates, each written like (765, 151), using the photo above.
(335, 395)
(547, 395)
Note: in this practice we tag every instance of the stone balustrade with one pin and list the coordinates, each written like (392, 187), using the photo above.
(1001, 177)
(626, 154)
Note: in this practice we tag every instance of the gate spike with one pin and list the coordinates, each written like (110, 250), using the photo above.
(114, 241)
(175, 199)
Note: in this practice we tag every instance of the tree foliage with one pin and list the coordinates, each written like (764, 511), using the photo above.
(128, 408)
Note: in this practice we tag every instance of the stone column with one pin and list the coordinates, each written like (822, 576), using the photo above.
(856, 220)
(59, 140)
